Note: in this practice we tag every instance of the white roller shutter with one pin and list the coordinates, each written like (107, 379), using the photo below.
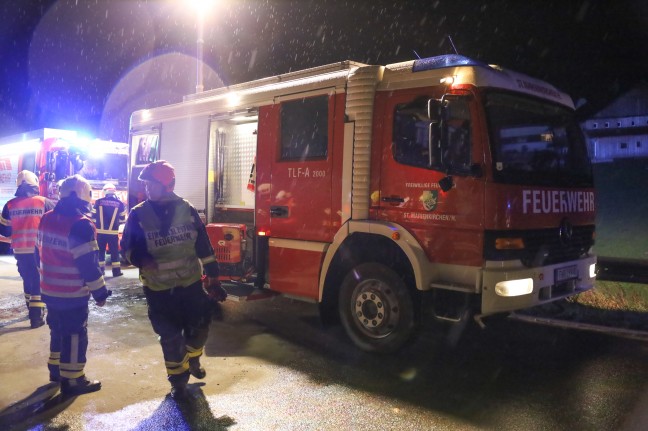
(184, 143)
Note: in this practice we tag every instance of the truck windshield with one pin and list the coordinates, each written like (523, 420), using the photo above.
(536, 143)
(109, 167)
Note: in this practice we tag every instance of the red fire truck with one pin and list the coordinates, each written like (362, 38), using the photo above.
(373, 190)
(53, 155)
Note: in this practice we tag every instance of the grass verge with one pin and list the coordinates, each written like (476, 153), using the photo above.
(610, 303)
(617, 296)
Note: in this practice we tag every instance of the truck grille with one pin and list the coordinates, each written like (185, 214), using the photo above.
(543, 246)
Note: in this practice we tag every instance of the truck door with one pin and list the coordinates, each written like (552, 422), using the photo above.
(446, 223)
(144, 149)
(294, 190)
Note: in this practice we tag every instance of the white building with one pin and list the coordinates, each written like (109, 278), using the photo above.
(620, 130)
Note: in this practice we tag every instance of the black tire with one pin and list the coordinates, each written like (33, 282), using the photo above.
(376, 308)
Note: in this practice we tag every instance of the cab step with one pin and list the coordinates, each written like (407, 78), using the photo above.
(240, 292)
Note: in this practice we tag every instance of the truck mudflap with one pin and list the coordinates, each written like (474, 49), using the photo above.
(241, 292)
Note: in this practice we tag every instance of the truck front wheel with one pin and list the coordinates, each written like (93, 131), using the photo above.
(376, 308)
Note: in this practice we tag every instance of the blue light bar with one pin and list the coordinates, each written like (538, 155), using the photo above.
(441, 61)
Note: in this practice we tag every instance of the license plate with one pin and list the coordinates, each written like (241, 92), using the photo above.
(566, 273)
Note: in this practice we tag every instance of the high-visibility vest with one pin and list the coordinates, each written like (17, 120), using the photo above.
(107, 213)
(25, 213)
(60, 278)
(173, 251)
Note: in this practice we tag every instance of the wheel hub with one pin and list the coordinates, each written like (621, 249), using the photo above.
(370, 309)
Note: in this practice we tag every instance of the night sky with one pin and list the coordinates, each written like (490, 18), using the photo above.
(87, 64)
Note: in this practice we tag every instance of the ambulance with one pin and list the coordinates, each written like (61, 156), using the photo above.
(441, 186)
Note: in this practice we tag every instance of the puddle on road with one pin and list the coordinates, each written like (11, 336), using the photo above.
(127, 301)
(12, 310)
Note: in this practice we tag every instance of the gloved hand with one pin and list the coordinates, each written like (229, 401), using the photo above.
(101, 302)
(149, 264)
(214, 289)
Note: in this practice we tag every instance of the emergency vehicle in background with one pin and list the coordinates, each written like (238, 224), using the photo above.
(53, 155)
(373, 190)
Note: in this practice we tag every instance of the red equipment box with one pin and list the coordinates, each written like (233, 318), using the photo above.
(228, 240)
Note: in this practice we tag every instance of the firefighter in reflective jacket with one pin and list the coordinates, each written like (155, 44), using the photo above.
(19, 220)
(165, 238)
(108, 213)
(70, 273)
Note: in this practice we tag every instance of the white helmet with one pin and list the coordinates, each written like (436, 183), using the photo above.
(27, 177)
(109, 189)
(78, 185)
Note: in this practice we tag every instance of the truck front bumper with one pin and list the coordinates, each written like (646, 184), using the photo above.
(509, 286)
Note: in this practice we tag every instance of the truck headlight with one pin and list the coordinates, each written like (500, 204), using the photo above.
(514, 287)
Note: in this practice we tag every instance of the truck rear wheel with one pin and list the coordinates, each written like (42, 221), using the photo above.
(376, 308)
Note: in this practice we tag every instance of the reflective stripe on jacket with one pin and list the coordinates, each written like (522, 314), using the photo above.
(108, 213)
(24, 215)
(60, 277)
(173, 251)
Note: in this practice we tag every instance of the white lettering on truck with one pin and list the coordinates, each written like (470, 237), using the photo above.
(298, 173)
(556, 201)
(425, 216)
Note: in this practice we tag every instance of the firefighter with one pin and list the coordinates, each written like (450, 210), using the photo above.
(108, 213)
(19, 220)
(70, 271)
(165, 238)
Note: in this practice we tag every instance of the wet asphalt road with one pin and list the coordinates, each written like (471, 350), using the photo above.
(272, 366)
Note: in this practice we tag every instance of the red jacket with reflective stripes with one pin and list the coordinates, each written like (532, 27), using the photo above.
(69, 267)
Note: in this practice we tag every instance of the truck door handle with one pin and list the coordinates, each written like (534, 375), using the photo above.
(393, 199)
(279, 211)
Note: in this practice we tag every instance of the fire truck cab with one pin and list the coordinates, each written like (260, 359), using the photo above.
(367, 189)
(53, 155)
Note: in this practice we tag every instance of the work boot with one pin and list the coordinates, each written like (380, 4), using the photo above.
(179, 382)
(36, 316)
(79, 386)
(117, 273)
(195, 369)
(37, 323)
(179, 391)
(54, 370)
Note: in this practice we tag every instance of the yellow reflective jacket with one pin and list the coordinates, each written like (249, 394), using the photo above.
(173, 249)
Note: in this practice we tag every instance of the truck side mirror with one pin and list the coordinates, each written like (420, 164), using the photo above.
(434, 110)
(446, 183)
(77, 162)
(434, 113)
(434, 137)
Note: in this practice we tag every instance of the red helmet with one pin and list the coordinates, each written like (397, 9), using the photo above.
(161, 172)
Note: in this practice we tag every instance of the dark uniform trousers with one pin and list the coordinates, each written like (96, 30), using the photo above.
(28, 269)
(113, 247)
(181, 318)
(68, 342)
